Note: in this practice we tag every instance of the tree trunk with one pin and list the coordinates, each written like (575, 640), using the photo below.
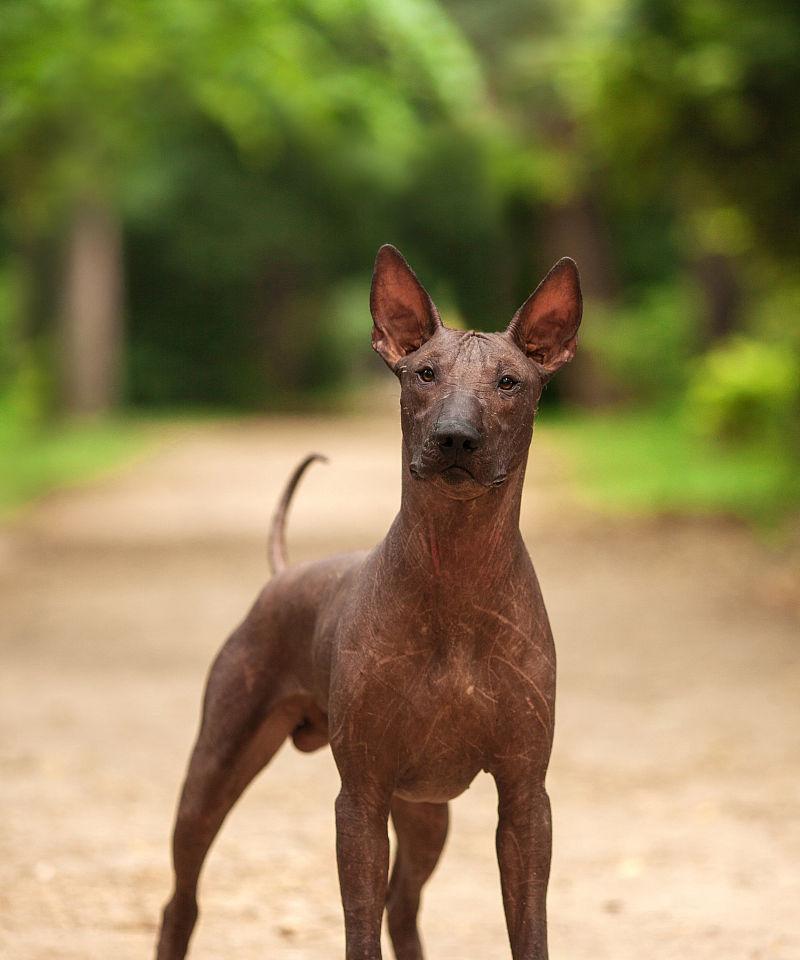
(576, 229)
(719, 284)
(92, 311)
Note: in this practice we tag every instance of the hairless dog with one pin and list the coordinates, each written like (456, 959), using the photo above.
(422, 662)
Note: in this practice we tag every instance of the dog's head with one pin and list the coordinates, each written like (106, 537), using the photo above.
(468, 399)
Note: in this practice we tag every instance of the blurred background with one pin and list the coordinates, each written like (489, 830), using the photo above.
(193, 192)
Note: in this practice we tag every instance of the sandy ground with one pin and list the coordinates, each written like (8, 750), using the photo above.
(676, 773)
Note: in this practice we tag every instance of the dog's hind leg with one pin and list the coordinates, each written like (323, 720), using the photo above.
(246, 718)
(421, 830)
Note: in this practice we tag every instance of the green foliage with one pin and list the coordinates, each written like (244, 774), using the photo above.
(9, 315)
(256, 152)
(25, 388)
(92, 85)
(24, 401)
(747, 391)
(39, 460)
(652, 461)
(696, 100)
(645, 346)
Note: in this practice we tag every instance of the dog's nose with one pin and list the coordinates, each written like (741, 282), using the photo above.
(456, 435)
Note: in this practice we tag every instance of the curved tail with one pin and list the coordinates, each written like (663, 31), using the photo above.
(276, 541)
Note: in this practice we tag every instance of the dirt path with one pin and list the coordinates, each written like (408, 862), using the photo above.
(676, 774)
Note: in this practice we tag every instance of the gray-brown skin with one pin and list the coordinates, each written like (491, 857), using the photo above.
(422, 662)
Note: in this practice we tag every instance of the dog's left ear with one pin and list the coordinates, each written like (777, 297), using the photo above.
(546, 326)
(403, 313)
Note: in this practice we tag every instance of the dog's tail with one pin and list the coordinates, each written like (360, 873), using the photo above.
(276, 541)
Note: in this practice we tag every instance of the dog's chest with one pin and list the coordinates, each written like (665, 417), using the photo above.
(432, 697)
(437, 714)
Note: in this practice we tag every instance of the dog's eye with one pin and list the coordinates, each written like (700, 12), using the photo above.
(426, 374)
(507, 383)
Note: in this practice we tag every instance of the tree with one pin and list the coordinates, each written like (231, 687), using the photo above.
(98, 92)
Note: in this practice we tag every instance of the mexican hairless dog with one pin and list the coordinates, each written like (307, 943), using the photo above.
(422, 662)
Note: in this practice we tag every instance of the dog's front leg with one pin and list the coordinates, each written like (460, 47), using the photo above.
(362, 852)
(524, 840)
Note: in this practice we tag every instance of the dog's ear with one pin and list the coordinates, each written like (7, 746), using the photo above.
(404, 315)
(546, 326)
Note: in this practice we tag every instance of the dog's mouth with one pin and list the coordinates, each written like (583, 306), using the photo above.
(455, 479)
(456, 475)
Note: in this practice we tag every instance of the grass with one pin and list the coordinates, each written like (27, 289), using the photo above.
(651, 462)
(37, 462)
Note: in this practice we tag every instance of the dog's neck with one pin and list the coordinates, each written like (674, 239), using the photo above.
(466, 541)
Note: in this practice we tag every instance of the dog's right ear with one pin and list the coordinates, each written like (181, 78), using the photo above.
(403, 314)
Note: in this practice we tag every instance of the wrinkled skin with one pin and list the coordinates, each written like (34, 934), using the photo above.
(467, 368)
(422, 662)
